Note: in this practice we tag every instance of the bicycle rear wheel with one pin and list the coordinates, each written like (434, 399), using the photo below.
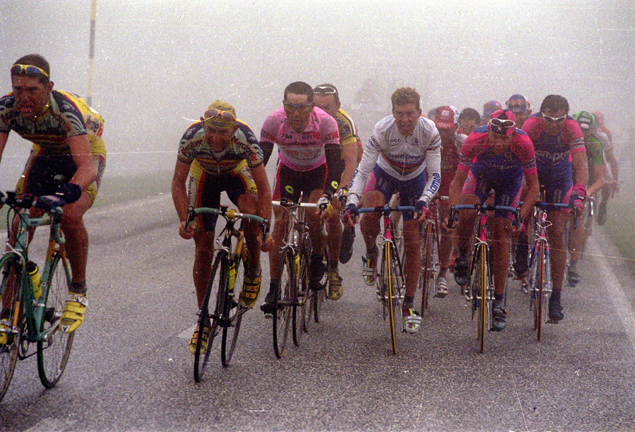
(54, 348)
(537, 289)
(232, 315)
(9, 350)
(484, 304)
(207, 320)
(390, 276)
(284, 302)
(426, 277)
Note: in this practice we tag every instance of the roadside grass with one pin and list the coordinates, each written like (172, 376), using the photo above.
(620, 225)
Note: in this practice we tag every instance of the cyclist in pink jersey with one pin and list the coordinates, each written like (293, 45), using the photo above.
(496, 156)
(309, 152)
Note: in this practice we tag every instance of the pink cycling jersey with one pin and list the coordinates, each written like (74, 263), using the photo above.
(301, 151)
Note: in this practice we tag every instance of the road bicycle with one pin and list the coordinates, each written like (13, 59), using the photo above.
(296, 304)
(390, 278)
(479, 292)
(33, 308)
(228, 271)
(430, 252)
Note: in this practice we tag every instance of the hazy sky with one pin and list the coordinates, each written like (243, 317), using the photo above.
(160, 63)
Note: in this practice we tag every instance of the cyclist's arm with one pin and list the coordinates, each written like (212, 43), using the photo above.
(433, 167)
(598, 171)
(3, 142)
(581, 167)
(267, 149)
(610, 157)
(349, 154)
(264, 191)
(533, 190)
(80, 151)
(456, 187)
(179, 191)
(365, 167)
(333, 153)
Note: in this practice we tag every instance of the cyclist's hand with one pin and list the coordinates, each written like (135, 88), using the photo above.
(446, 226)
(267, 245)
(187, 232)
(421, 211)
(49, 202)
(323, 204)
(341, 196)
(615, 187)
(520, 229)
(350, 215)
(578, 195)
(70, 192)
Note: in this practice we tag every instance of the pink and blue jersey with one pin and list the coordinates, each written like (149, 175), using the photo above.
(302, 151)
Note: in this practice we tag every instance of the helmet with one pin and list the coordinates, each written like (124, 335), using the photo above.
(517, 103)
(490, 107)
(503, 122)
(446, 117)
(585, 119)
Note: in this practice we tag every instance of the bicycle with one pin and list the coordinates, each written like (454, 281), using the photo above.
(33, 310)
(430, 252)
(480, 293)
(228, 271)
(296, 304)
(390, 280)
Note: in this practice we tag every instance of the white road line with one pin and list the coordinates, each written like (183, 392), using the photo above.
(614, 288)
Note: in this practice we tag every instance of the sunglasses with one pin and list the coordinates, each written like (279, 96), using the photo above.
(500, 123)
(554, 119)
(303, 108)
(213, 113)
(323, 89)
(30, 70)
(514, 103)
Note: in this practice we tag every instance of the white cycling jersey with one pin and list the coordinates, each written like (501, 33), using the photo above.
(404, 158)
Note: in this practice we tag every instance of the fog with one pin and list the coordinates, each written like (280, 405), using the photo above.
(159, 63)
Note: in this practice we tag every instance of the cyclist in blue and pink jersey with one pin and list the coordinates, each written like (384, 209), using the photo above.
(488, 109)
(520, 106)
(403, 155)
(556, 137)
(496, 156)
(309, 154)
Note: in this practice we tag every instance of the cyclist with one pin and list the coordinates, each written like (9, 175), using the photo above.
(327, 98)
(66, 136)
(595, 161)
(494, 157)
(221, 153)
(519, 105)
(469, 119)
(488, 109)
(451, 142)
(557, 137)
(309, 153)
(403, 155)
(611, 179)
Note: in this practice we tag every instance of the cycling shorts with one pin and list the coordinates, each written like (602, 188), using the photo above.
(289, 183)
(204, 190)
(42, 167)
(409, 190)
(506, 189)
(557, 189)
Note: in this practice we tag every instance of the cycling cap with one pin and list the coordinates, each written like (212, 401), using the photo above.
(599, 117)
(502, 122)
(220, 115)
(517, 103)
(585, 119)
(490, 107)
(446, 117)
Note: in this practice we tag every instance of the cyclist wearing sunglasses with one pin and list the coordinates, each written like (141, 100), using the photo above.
(559, 146)
(327, 98)
(595, 161)
(66, 136)
(309, 154)
(488, 109)
(519, 105)
(402, 155)
(496, 156)
(469, 119)
(221, 153)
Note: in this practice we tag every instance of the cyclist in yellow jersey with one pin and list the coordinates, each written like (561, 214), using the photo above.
(66, 136)
(326, 97)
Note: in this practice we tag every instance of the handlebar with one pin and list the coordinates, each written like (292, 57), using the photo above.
(386, 209)
(482, 208)
(27, 201)
(229, 214)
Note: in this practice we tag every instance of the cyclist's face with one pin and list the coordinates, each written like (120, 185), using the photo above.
(218, 139)
(553, 128)
(522, 117)
(327, 103)
(468, 126)
(31, 96)
(407, 117)
(298, 110)
(500, 143)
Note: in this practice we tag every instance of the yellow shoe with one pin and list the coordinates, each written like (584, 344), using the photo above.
(194, 339)
(335, 285)
(73, 315)
(250, 291)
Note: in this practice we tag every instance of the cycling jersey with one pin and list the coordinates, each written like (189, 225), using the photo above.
(594, 155)
(347, 129)
(243, 146)
(403, 158)
(67, 115)
(302, 151)
(449, 163)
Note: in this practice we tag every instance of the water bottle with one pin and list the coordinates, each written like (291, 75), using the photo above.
(232, 274)
(296, 265)
(36, 282)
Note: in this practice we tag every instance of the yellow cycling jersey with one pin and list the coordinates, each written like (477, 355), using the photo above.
(67, 115)
(347, 129)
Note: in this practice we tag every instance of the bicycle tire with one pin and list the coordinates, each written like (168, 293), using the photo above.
(283, 302)
(537, 291)
(306, 296)
(54, 350)
(233, 316)
(484, 307)
(426, 276)
(215, 288)
(9, 351)
(390, 292)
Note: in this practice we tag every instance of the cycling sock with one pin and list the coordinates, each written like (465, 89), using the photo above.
(498, 298)
(371, 254)
(555, 295)
(78, 288)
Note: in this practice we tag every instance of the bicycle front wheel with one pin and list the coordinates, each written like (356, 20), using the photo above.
(54, 347)
(390, 276)
(537, 289)
(233, 316)
(484, 305)
(284, 302)
(11, 337)
(426, 277)
(306, 296)
(209, 315)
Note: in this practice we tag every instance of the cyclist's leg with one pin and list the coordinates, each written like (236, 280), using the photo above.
(558, 252)
(577, 234)
(446, 245)
(334, 240)
(499, 260)
(474, 190)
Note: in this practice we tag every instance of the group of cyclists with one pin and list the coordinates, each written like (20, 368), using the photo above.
(507, 153)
